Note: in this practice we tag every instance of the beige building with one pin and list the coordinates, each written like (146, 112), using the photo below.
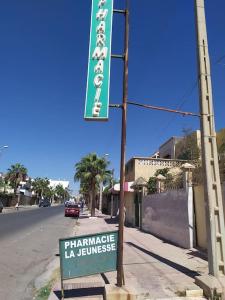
(146, 167)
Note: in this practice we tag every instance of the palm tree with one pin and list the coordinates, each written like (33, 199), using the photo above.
(62, 192)
(90, 171)
(40, 186)
(85, 191)
(50, 193)
(16, 173)
(3, 184)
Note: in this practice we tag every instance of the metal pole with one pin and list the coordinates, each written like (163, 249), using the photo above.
(120, 275)
(100, 195)
(212, 187)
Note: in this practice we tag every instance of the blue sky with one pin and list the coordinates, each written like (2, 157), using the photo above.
(43, 70)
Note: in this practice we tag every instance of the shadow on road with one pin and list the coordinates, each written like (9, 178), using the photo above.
(166, 261)
(82, 292)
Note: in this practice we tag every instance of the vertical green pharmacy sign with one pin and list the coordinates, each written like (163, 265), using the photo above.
(98, 80)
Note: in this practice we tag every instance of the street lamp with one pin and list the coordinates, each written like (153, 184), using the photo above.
(3, 147)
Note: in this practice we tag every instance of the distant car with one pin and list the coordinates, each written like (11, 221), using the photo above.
(67, 202)
(1, 206)
(44, 203)
(72, 210)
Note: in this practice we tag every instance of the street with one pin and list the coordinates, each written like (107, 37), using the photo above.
(29, 242)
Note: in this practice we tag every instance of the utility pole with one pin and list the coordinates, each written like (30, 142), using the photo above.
(212, 186)
(120, 274)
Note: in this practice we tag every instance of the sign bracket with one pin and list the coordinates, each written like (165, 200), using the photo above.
(122, 56)
(119, 11)
(116, 105)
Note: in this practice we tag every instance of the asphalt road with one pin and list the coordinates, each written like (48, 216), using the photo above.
(28, 243)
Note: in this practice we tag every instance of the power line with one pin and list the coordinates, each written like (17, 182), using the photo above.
(183, 100)
(183, 113)
(220, 59)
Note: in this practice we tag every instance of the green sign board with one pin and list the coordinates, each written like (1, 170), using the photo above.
(97, 94)
(89, 254)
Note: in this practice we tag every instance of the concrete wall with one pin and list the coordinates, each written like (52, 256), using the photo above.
(169, 215)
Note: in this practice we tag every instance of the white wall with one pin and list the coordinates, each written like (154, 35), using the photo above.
(169, 215)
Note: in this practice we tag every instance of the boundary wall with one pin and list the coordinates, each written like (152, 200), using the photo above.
(169, 215)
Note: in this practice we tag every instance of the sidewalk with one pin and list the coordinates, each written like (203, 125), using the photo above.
(12, 209)
(152, 267)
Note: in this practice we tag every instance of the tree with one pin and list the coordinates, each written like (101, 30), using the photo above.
(15, 174)
(3, 184)
(110, 184)
(220, 138)
(151, 184)
(50, 193)
(41, 187)
(187, 148)
(62, 192)
(90, 171)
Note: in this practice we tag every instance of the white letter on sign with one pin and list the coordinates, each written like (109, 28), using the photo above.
(98, 80)
(101, 3)
(101, 14)
(97, 94)
(99, 67)
(95, 111)
(100, 40)
(101, 27)
(67, 244)
(100, 53)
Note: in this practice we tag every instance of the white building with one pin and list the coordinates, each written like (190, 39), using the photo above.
(54, 183)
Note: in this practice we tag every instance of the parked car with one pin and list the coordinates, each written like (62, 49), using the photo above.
(72, 210)
(1, 206)
(44, 203)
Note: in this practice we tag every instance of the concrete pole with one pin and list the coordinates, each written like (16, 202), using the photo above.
(212, 186)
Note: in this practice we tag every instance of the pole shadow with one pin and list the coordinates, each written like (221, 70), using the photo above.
(111, 220)
(180, 268)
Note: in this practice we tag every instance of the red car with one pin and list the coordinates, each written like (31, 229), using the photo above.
(72, 210)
